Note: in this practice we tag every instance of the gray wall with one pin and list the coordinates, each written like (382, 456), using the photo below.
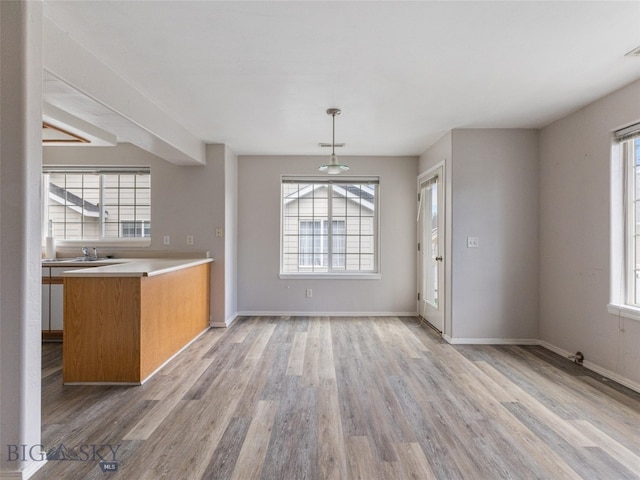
(184, 201)
(231, 235)
(575, 266)
(260, 290)
(492, 193)
(495, 197)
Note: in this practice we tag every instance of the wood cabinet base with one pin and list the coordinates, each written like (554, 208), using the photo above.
(122, 329)
(52, 335)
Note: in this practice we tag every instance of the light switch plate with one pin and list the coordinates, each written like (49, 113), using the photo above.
(473, 242)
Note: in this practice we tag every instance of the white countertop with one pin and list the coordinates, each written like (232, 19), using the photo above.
(76, 263)
(132, 268)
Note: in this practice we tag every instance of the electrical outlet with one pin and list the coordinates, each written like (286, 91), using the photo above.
(309, 293)
(473, 242)
(219, 232)
(189, 239)
(166, 240)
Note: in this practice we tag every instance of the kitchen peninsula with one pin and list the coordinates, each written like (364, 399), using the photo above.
(123, 322)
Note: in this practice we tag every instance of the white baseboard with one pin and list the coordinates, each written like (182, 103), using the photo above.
(490, 341)
(226, 323)
(554, 349)
(32, 466)
(594, 367)
(325, 314)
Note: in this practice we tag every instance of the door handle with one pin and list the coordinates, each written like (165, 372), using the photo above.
(438, 258)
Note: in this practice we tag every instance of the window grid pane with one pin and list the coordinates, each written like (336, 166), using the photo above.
(95, 206)
(329, 227)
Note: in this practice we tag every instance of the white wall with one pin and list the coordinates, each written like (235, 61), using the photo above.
(231, 235)
(575, 267)
(259, 287)
(437, 153)
(185, 200)
(494, 196)
(20, 276)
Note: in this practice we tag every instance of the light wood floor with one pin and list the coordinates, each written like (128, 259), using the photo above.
(332, 398)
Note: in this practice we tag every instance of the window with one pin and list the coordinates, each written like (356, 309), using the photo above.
(99, 204)
(625, 224)
(314, 243)
(631, 157)
(329, 226)
(138, 228)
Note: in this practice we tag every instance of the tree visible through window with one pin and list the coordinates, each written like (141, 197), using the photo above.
(329, 226)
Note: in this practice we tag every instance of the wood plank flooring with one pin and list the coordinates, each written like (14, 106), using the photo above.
(344, 398)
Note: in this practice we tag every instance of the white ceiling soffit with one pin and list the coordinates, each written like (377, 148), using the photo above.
(77, 82)
(63, 129)
(259, 76)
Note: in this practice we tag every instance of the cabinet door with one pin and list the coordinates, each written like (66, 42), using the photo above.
(45, 306)
(45, 298)
(57, 298)
(57, 310)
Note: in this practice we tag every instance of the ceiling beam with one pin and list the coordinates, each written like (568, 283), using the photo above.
(81, 84)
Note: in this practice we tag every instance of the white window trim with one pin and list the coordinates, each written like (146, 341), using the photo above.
(622, 266)
(376, 275)
(101, 241)
(124, 242)
(330, 276)
(625, 311)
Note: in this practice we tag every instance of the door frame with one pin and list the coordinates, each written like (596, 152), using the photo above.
(444, 299)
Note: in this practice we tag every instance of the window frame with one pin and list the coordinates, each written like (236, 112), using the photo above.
(332, 274)
(101, 240)
(624, 230)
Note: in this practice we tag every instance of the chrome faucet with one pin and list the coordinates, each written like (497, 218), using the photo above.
(85, 252)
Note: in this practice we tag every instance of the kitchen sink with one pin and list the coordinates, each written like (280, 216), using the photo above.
(74, 260)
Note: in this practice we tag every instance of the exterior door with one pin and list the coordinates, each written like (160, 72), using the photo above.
(431, 249)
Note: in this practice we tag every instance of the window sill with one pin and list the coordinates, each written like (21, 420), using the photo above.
(330, 276)
(625, 311)
(129, 242)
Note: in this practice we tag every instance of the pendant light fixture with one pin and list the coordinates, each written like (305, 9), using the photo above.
(333, 167)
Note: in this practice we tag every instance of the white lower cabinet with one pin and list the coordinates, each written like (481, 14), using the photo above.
(45, 300)
(53, 301)
(57, 307)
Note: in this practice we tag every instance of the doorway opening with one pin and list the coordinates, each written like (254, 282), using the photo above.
(431, 249)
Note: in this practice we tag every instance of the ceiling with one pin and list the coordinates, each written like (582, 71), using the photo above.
(258, 76)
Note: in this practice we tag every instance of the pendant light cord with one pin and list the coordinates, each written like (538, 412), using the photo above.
(333, 136)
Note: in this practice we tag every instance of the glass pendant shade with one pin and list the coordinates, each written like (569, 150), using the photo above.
(333, 167)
